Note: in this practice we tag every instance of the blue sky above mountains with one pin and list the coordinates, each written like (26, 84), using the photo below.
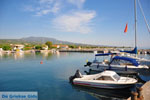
(100, 22)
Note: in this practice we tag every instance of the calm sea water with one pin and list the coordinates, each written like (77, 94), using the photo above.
(23, 72)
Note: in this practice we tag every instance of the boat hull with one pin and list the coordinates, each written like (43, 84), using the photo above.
(145, 63)
(118, 69)
(103, 85)
(104, 94)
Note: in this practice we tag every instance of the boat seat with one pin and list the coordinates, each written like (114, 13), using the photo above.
(100, 78)
(106, 78)
(106, 61)
(127, 64)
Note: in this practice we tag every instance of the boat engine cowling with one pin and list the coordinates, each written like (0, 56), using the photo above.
(71, 78)
(88, 64)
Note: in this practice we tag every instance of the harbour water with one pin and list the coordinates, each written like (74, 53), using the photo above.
(24, 72)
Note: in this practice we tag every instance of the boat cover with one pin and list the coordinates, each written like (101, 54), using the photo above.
(104, 54)
(133, 61)
(134, 51)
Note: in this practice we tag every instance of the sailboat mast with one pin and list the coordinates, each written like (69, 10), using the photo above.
(135, 22)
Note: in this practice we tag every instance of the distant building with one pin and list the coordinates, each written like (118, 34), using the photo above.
(63, 46)
(105, 51)
(1, 49)
(56, 46)
(45, 47)
(18, 47)
(79, 48)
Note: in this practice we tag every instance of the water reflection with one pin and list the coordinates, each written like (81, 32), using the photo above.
(104, 94)
(1, 55)
(33, 55)
(22, 55)
(18, 55)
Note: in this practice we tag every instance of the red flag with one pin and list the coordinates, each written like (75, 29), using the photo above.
(126, 28)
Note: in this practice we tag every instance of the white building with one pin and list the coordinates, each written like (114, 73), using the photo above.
(45, 47)
(1, 49)
(18, 47)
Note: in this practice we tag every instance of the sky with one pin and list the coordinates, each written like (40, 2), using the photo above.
(99, 22)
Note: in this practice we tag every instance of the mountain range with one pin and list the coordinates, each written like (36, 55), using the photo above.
(39, 40)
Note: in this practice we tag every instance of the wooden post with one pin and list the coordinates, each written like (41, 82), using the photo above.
(134, 96)
(139, 90)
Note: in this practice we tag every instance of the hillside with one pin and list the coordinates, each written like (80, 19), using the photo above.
(38, 40)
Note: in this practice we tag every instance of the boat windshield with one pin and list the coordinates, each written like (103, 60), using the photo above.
(116, 76)
(106, 78)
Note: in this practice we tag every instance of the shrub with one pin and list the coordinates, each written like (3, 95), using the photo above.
(38, 47)
(49, 44)
(6, 47)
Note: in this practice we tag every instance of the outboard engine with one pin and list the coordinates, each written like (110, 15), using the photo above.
(77, 75)
(88, 64)
(71, 78)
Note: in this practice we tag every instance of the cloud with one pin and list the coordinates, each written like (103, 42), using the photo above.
(67, 20)
(79, 21)
(78, 3)
(29, 8)
(56, 7)
(46, 1)
(48, 6)
(44, 7)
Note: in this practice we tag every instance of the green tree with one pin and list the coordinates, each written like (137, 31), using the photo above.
(49, 44)
(28, 47)
(1, 46)
(6, 47)
(38, 47)
(73, 46)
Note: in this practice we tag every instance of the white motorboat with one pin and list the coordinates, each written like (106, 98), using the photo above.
(106, 79)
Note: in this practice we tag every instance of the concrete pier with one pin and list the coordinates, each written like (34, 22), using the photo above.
(83, 50)
(143, 93)
(141, 51)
